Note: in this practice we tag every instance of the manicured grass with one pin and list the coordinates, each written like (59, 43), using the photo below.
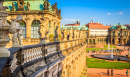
(105, 48)
(95, 63)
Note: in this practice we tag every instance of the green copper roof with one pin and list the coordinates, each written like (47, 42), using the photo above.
(34, 5)
(115, 26)
(74, 27)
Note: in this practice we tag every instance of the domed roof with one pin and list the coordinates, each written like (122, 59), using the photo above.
(115, 26)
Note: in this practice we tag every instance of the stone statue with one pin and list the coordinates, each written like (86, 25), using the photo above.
(59, 11)
(45, 5)
(56, 35)
(28, 6)
(48, 5)
(17, 31)
(13, 7)
(43, 33)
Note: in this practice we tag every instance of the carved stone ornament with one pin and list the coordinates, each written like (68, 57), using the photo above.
(28, 6)
(13, 7)
(56, 35)
(4, 31)
(17, 31)
(43, 33)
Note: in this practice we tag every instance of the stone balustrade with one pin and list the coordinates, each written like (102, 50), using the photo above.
(71, 45)
(33, 61)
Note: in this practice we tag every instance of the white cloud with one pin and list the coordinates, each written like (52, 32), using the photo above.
(109, 14)
(69, 20)
(120, 12)
(94, 17)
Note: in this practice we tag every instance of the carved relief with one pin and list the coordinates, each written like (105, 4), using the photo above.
(14, 63)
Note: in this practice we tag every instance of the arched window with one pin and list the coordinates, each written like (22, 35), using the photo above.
(86, 34)
(113, 33)
(118, 33)
(54, 27)
(23, 25)
(124, 33)
(34, 29)
(90, 41)
(49, 27)
(93, 41)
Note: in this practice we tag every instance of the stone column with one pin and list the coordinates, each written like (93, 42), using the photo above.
(4, 31)
(28, 28)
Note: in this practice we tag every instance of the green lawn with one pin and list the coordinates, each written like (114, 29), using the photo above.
(105, 48)
(95, 63)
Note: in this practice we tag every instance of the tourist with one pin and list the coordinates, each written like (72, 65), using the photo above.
(127, 72)
(108, 72)
(111, 72)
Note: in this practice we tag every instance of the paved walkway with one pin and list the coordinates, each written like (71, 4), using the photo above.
(97, 72)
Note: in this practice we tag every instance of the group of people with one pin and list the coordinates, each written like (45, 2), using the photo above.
(127, 72)
(111, 72)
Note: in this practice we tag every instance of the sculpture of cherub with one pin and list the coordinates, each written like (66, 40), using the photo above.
(17, 31)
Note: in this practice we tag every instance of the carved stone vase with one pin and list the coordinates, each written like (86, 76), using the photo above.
(4, 31)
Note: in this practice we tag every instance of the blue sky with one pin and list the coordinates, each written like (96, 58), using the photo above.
(103, 11)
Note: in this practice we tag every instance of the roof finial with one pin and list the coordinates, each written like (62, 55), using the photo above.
(84, 24)
(118, 23)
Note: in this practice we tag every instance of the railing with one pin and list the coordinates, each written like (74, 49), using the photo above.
(28, 60)
(71, 45)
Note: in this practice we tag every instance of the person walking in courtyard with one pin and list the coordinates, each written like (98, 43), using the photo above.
(127, 72)
(111, 72)
(108, 72)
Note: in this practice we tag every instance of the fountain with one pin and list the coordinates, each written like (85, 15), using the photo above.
(112, 53)
(111, 56)
(108, 46)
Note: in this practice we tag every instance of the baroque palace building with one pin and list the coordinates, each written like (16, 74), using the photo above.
(66, 58)
(34, 13)
(100, 34)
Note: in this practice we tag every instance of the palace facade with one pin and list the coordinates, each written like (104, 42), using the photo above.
(35, 13)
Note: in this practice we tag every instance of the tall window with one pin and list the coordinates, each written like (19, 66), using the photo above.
(34, 29)
(23, 25)
(124, 33)
(118, 33)
(113, 33)
(49, 27)
(86, 34)
(93, 41)
(90, 41)
(54, 28)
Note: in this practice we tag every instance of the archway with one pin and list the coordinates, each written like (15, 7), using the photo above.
(113, 41)
(54, 28)
(49, 27)
(90, 41)
(118, 40)
(34, 29)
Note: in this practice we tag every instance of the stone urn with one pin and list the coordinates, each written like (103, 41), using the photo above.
(4, 31)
